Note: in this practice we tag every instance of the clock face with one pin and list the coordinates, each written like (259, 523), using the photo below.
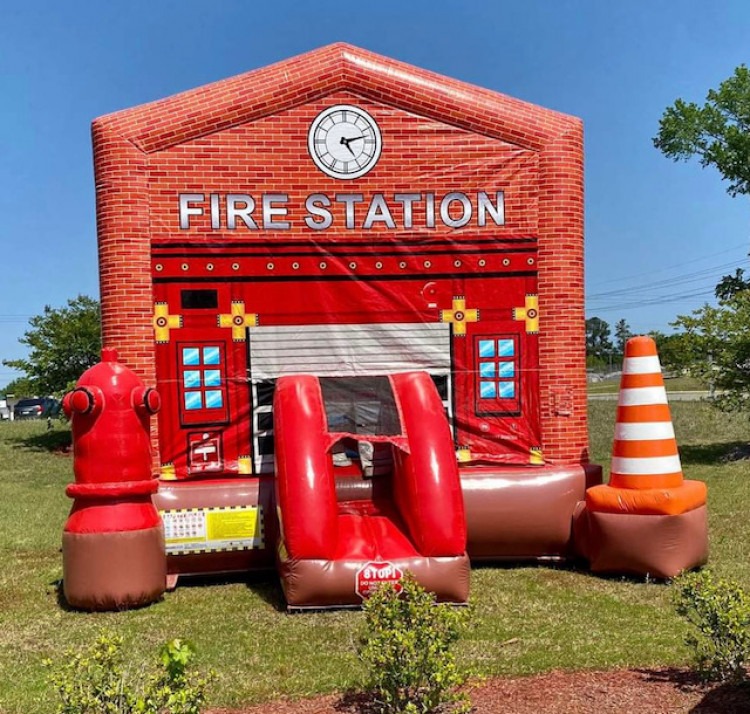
(344, 141)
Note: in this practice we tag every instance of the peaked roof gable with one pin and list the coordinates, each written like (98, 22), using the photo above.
(310, 76)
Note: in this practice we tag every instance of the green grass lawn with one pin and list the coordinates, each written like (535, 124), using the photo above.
(528, 619)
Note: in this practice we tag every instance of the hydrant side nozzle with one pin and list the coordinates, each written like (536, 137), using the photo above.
(66, 405)
(83, 400)
(146, 399)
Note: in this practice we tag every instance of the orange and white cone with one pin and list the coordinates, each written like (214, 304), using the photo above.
(644, 454)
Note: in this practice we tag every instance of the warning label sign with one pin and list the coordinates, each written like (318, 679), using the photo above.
(208, 530)
(376, 573)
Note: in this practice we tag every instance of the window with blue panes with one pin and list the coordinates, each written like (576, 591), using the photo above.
(497, 371)
(202, 379)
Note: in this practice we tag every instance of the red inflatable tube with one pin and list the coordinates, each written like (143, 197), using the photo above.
(112, 515)
(305, 486)
(112, 490)
(426, 483)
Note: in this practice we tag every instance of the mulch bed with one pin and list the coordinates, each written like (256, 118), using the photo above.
(628, 691)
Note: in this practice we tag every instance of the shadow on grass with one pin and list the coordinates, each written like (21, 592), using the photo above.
(721, 452)
(574, 564)
(267, 587)
(64, 605)
(264, 583)
(55, 441)
(717, 698)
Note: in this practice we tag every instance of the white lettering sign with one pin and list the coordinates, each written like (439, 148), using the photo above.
(352, 211)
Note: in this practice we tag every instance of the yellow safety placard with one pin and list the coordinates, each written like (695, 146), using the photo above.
(230, 525)
(209, 530)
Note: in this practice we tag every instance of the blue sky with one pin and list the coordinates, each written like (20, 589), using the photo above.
(649, 222)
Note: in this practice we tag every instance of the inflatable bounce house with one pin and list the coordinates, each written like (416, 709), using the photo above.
(357, 287)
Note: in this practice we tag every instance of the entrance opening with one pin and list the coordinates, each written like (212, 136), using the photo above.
(360, 405)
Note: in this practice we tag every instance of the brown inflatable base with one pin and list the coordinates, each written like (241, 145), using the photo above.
(114, 571)
(523, 513)
(331, 583)
(657, 546)
(221, 493)
(513, 513)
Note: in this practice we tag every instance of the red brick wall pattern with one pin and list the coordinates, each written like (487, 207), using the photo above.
(247, 134)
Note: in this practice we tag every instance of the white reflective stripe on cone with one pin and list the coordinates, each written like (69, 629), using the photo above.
(641, 365)
(644, 431)
(651, 466)
(642, 396)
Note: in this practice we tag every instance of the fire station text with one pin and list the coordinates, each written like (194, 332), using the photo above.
(271, 211)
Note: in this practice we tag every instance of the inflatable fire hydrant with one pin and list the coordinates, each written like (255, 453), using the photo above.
(113, 540)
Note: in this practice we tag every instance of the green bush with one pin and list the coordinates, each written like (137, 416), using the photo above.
(406, 647)
(719, 611)
(95, 681)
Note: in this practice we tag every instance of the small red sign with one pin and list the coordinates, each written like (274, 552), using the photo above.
(376, 573)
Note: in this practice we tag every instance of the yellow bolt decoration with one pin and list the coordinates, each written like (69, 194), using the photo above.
(529, 313)
(164, 322)
(458, 316)
(167, 472)
(238, 320)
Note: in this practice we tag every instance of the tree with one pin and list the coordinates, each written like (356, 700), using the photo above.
(730, 285)
(63, 343)
(598, 342)
(718, 133)
(717, 341)
(19, 387)
(622, 335)
(677, 352)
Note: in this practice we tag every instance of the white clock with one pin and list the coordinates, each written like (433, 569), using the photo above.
(344, 141)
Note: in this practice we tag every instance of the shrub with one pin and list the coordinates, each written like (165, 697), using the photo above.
(719, 611)
(406, 647)
(95, 681)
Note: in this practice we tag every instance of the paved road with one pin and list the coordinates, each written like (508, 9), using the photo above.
(671, 396)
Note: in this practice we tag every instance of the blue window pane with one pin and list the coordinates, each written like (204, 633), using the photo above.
(507, 390)
(506, 348)
(212, 378)
(486, 348)
(193, 400)
(211, 355)
(506, 370)
(191, 379)
(487, 370)
(214, 399)
(487, 390)
(190, 356)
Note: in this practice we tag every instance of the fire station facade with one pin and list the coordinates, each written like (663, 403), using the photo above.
(345, 215)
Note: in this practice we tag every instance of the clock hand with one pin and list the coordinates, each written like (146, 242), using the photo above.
(346, 143)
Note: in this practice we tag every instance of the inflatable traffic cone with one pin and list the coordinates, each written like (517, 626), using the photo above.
(644, 454)
(648, 519)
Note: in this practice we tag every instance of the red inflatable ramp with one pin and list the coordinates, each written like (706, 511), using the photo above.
(367, 488)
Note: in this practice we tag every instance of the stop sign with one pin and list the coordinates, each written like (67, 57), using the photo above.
(376, 573)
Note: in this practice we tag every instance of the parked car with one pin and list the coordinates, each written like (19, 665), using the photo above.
(36, 408)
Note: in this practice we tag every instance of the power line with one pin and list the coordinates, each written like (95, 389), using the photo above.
(650, 302)
(683, 279)
(666, 268)
(682, 289)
